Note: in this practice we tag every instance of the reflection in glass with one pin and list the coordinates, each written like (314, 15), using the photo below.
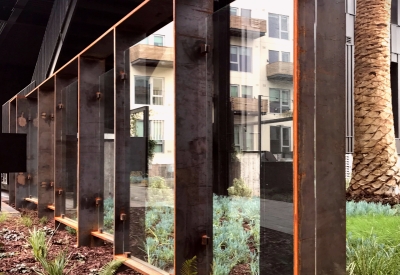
(254, 202)
(32, 147)
(69, 140)
(152, 150)
(106, 84)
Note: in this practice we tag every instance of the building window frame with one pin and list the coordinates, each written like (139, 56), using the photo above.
(157, 136)
(284, 105)
(241, 59)
(283, 147)
(151, 97)
(283, 31)
(159, 44)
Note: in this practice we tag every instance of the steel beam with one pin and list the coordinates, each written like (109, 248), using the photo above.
(46, 151)
(90, 150)
(193, 128)
(12, 129)
(320, 149)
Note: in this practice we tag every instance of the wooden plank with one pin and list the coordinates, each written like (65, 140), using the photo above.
(68, 222)
(104, 236)
(140, 266)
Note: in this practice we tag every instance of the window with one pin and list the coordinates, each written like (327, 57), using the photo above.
(234, 91)
(279, 100)
(233, 11)
(245, 91)
(279, 139)
(157, 135)
(240, 59)
(243, 137)
(286, 56)
(158, 40)
(278, 26)
(246, 13)
(149, 90)
(273, 56)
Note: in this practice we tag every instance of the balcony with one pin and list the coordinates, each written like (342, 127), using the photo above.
(248, 27)
(282, 71)
(152, 56)
(248, 105)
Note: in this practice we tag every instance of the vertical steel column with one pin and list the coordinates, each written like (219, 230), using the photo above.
(45, 152)
(22, 120)
(319, 119)
(60, 146)
(5, 126)
(122, 42)
(12, 129)
(90, 150)
(193, 90)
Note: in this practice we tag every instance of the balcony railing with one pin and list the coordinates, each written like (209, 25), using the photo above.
(251, 27)
(248, 105)
(280, 71)
(150, 55)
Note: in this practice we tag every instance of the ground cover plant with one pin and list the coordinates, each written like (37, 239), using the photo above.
(373, 242)
(17, 256)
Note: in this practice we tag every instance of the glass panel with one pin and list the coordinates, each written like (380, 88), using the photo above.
(253, 192)
(234, 91)
(233, 11)
(246, 13)
(273, 56)
(247, 91)
(284, 23)
(32, 148)
(285, 56)
(142, 89)
(152, 159)
(106, 84)
(273, 25)
(158, 40)
(69, 139)
(275, 101)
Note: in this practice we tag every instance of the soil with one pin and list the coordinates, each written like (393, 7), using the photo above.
(16, 255)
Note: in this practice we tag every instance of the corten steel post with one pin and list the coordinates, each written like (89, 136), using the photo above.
(319, 121)
(142, 22)
(22, 181)
(60, 184)
(12, 129)
(90, 151)
(5, 126)
(46, 150)
(193, 130)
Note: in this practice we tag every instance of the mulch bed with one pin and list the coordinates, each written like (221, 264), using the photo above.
(16, 255)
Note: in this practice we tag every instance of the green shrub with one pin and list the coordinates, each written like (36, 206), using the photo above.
(111, 267)
(43, 220)
(70, 230)
(37, 240)
(189, 267)
(108, 222)
(26, 221)
(370, 208)
(3, 217)
(239, 189)
(366, 256)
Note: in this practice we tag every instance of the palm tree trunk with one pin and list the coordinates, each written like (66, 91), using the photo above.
(375, 167)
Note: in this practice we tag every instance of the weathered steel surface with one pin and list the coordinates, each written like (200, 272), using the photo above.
(320, 84)
(193, 157)
(60, 145)
(150, 17)
(90, 151)
(330, 145)
(12, 127)
(46, 151)
(22, 120)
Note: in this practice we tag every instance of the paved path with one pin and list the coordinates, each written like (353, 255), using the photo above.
(277, 215)
(5, 208)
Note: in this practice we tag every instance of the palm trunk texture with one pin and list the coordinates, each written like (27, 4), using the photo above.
(375, 174)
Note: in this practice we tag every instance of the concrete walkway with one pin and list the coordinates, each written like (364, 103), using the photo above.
(277, 215)
(5, 208)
